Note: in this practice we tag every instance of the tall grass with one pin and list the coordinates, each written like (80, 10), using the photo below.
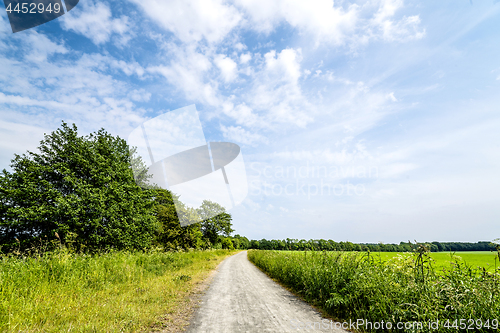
(350, 285)
(113, 292)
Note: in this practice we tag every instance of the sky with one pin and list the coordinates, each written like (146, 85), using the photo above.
(362, 121)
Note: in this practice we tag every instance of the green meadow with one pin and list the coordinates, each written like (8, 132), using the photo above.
(446, 260)
(110, 292)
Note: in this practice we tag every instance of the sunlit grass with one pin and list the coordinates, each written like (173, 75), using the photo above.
(113, 292)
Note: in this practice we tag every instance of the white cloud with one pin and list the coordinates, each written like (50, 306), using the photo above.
(4, 26)
(245, 58)
(96, 22)
(41, 47)
(271, 89)
(242, 114)
(319, 18)
(227, 66)
(78, 90)
(274, 94)
(140, 95)
(240, 46)
(26, 137)
(26, 101)
(128, 68)
(345, 156)
(337, 23)
(406, 28)
(285, 66)
(192, 21)
(187, 72)
(327, 21)
(240, 135)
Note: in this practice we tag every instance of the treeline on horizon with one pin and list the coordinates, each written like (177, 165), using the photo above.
(330, 245)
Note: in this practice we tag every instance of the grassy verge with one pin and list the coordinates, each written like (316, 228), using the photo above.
(355, 286)
(113, 292)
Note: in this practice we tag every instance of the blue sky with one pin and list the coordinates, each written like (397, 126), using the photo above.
(367, 121)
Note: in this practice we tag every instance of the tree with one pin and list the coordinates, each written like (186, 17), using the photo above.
(227, 243)
(215, 221)
(171, 235)
(243, 242)
(75, 184)
(254, 244)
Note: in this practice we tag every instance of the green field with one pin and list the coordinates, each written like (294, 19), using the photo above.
(446, 260)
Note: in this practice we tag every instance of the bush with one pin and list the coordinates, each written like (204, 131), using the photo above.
(227, 244)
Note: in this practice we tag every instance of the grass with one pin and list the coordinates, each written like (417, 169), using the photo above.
(113, 292)
(401, 289)
(446, 260)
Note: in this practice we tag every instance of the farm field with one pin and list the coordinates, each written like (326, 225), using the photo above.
(391, 287)
(441, 260)
(444, 260)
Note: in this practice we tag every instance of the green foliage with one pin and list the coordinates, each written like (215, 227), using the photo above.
(82, 185)
(227, 243)
(353, 285)
(171, 235)
(215, 221)
(242, 242)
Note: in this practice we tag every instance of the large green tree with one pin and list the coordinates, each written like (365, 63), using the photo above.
(76, 184)
(216, 221)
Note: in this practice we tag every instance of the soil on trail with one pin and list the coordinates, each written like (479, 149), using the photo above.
(243, 299)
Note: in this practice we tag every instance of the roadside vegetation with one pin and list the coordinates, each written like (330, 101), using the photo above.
(87, 245)
(404, 288)
(61, 291)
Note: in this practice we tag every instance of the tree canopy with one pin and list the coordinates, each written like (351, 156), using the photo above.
(216, 222)
(76, 184)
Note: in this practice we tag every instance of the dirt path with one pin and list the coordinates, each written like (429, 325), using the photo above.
(243, 299)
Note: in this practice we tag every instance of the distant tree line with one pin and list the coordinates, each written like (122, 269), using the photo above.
(81, 191)
(330, 245)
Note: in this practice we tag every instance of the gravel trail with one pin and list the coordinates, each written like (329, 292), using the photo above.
(243, 299)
